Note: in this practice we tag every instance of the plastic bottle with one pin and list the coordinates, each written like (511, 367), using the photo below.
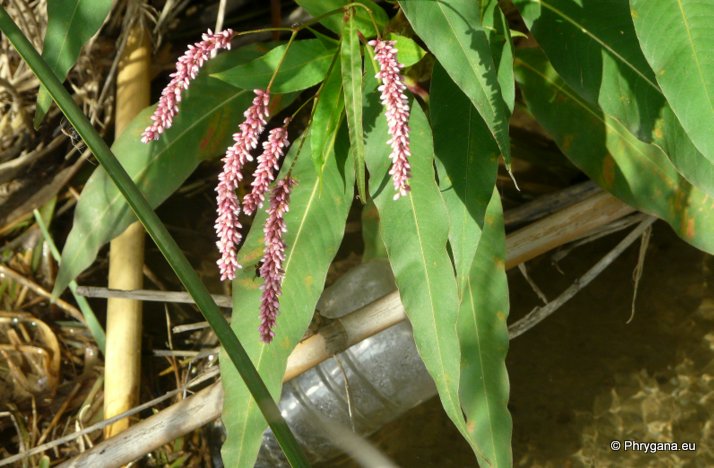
(364, 387)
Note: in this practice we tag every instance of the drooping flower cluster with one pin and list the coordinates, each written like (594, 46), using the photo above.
(186, 70)
(227, 225)
(264, 174)
(271, 269)
(396, 107)
(245, 140)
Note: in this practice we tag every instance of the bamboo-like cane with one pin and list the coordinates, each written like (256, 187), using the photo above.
(126, 252)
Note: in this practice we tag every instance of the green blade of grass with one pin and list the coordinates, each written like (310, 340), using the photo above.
(95, 328)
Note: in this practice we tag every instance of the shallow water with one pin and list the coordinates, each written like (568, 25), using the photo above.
(585, 377)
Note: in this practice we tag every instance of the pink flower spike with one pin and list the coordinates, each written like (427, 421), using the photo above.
(271, 269)
(228, 229)
(227, 225)
(396, 107)
(187, 69)
(264, 174)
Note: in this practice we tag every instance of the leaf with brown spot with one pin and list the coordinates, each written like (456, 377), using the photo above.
(608, 170)
(642, 175)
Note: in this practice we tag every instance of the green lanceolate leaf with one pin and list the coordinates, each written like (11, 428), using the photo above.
(499, 38)
(351, 60)
(594, 48)
(415, 230)
(483, 334)
(467, 163)
(210, 113)
(304, 65)
(676, 38)
(452, 31)
(327, 117)
(334, 22)
(636, 172)
(70, 24)
(315, 226)
(408, 51)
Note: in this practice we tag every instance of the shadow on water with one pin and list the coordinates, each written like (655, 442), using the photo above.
(584, 377)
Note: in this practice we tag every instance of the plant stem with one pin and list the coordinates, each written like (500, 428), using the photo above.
(158, 232)
(299, 27)
(282, 59)
(369, 13)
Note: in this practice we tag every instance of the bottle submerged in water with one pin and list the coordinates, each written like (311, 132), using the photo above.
(363, 388)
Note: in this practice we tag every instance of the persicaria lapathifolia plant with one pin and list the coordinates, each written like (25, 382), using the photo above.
(657, 141)
(227, 225)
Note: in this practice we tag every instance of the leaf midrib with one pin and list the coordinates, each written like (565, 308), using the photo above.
(476, 73)
(65, 36)
(467, 186)
(480, 357)
(288, 259)
(355, 90)
(431, 302)
(695, 55)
